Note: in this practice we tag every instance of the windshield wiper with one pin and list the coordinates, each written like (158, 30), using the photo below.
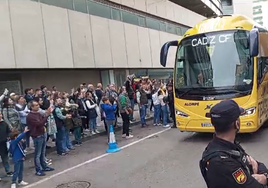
(234, 91)
(221, 89)
(187, 91)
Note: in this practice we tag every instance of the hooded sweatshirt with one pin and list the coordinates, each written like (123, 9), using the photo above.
(109, 111)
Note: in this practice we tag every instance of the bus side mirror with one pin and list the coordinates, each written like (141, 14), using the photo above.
(164, 51)
(254, 42)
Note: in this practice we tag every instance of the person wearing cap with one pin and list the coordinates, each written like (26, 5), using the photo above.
(13, 96)
(224, 162)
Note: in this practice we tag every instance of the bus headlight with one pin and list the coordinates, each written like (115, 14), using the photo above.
(182, 114)
(250, 111)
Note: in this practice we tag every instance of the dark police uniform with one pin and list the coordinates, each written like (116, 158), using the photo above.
(224, 164)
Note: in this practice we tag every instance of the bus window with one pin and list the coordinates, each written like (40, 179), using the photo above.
(220, 58)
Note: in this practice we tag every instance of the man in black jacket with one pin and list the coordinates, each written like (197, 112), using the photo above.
(130, 93)
(224, 162)
(4, 134)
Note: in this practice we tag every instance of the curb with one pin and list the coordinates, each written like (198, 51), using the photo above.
(117, 129)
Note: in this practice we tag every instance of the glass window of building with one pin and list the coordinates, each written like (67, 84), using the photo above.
(163, 26)
(59, 3)
(178, 31)
(99, 9)
(116, 14)
(130, 18)
(152, 23)
(142, 21)
(171, 28)
(138, 72)
(80, 6)
(120, 77)
(105, 78)
(160, 74)
(226, 2)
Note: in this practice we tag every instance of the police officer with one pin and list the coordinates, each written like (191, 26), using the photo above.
(224, 162)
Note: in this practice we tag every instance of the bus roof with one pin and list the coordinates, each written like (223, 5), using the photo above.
(223, 22)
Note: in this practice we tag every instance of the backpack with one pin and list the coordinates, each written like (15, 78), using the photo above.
(165, 99)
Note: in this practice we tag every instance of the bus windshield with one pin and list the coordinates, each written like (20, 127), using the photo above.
(214, 63)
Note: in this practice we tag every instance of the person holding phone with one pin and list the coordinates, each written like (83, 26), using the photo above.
(36, 123)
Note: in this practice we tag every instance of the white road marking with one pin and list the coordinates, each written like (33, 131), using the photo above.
(92, 160)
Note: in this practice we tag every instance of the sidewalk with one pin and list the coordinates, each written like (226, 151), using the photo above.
(100, 127)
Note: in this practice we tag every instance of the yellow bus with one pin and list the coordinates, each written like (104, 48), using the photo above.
(220, 58)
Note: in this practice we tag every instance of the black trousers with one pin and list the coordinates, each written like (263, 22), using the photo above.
(172, 113)
(125, 118)
(85, 123)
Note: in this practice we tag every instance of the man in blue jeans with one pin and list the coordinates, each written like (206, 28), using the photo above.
(63, 143)
(142, 101)
(36, 123)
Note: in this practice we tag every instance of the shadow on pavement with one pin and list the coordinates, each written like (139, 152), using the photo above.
(243, 138)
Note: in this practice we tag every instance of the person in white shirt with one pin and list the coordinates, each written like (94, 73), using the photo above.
(92, 113)
(163, 97)
(157, 107)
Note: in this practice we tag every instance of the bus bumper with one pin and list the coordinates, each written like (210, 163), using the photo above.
(204, 126)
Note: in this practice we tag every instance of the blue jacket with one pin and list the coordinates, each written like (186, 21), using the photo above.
(109, 111)
(17, 148)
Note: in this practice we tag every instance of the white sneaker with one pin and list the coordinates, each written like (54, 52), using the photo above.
(23, 183)
(166, 126)
(13, 185)
(96, 131)
(93, 132)
(130, 136)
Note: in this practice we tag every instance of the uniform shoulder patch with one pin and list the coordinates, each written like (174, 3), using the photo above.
(240, 176)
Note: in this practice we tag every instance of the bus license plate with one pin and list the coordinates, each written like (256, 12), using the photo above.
(206, 125)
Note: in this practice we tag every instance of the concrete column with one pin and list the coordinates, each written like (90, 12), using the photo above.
(111, 74)
(127, 72)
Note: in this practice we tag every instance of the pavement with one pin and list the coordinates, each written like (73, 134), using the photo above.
(155, 158)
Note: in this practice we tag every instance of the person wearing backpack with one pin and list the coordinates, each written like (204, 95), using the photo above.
(4, 134)
(16, 150)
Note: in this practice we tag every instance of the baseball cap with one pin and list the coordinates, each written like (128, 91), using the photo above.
(225, 112)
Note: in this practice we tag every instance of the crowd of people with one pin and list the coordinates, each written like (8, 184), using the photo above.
(44, 114)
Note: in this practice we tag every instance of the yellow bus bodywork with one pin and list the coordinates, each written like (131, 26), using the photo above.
(196, 110)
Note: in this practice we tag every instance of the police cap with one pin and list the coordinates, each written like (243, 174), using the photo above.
(225, 113)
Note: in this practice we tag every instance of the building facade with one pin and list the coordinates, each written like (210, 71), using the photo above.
(243, 7)
(67, 42)
(259, 9)
(254, 9)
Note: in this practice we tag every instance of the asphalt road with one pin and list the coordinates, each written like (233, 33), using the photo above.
(154, 158)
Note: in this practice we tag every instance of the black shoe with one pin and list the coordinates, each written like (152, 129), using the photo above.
(40, 173)
(10, 174)
(62, 154)
(49, 169)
